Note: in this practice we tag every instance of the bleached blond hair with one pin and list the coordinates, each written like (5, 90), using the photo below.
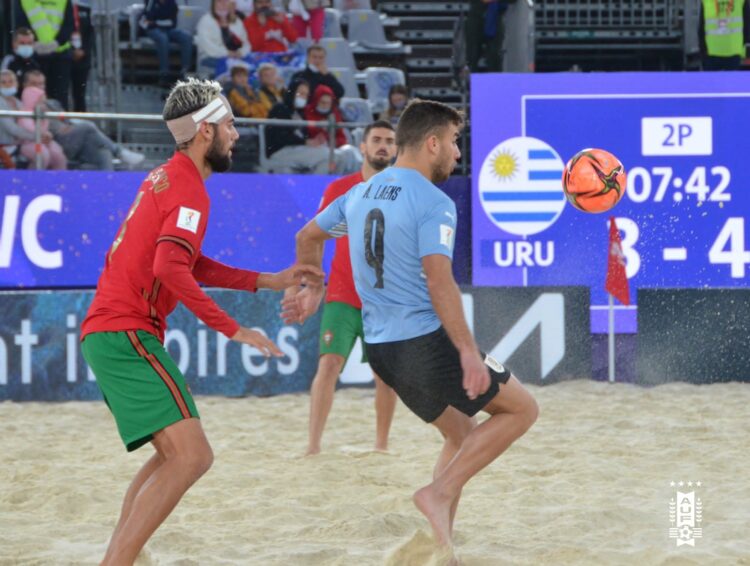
(188, 96)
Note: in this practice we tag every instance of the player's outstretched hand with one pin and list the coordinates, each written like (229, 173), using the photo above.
(291, 276)
(476, 374)
(258, 341)
(300, 303)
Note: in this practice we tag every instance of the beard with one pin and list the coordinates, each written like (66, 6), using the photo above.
(443, 169)
(441, 172)
(219, 162)
(377, 162)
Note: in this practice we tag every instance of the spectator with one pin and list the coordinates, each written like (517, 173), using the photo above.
(485, 31)
(22, 59)
(316, 72)
(309, 15)
(724, 32)
(269, 31)
(81, 140)
(290, 150)
(398, 97)
(82, 41)
(53, 24)
(319, 108)
(51, 152)
(220, 33)
(159, 22)
(271, 87)
(241, 96)
(11, 134)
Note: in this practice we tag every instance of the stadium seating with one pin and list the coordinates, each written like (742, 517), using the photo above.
(378, 81)
(366, 31)
(137, 68)
(187, 20)
(355, 109)
(339, 53)
(332, 25)
(346, 77)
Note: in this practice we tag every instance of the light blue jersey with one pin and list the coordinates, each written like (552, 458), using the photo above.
(393, 221)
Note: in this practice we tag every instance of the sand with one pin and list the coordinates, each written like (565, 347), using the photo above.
(589, 484)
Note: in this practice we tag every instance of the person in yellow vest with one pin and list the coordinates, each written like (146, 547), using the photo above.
(725, 30)
(53, 24)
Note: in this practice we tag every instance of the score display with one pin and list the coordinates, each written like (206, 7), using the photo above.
(683, 217)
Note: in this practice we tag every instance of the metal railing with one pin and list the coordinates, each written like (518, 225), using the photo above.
(38, 115)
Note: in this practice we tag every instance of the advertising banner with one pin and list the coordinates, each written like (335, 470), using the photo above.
(56, 226)
(542, 334)
(40, 355)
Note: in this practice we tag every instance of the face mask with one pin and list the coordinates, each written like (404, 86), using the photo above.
(324, 111)
(300, 102)
(313, 68)
(25, 51)
(399, 105)
(76, 42)
(222, 13)
(267, 12)
(9, 91)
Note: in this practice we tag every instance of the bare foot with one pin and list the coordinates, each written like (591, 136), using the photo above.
(437, 509)
(312, 451)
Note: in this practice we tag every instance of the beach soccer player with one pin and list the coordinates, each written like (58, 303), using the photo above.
(341, 324)
(401, 230)
(154, 262)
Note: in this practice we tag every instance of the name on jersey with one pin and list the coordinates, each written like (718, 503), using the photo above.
(383, 192)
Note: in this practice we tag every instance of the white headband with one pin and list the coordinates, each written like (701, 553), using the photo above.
(185, 127)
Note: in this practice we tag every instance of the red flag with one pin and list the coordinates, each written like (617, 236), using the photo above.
(617, 281)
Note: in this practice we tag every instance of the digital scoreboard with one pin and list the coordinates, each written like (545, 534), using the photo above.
(681, 138)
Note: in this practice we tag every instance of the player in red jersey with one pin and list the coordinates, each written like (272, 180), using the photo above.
(154, 262)
(342, 315)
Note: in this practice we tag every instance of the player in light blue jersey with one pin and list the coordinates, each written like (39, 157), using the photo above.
(401, 230)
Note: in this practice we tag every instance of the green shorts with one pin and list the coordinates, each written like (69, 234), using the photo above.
(140, 382)
(339, 328)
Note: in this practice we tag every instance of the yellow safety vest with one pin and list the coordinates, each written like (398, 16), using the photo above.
(724, 29)
(46, 18)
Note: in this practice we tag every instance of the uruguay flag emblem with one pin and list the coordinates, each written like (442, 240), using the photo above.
(520, 186)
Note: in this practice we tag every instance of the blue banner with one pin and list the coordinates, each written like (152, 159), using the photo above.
(683, 216)
(40, 357)
(56, 227)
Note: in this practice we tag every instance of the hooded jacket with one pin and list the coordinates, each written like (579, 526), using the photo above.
(311, 113)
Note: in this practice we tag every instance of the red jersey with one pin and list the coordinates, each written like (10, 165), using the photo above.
(156, 259)
(341, 281)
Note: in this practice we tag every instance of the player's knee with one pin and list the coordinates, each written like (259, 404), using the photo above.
(329, 367)
(204, 460)
(457, 434)
(198, 461)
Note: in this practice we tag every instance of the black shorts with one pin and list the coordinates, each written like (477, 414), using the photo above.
(426, 374)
